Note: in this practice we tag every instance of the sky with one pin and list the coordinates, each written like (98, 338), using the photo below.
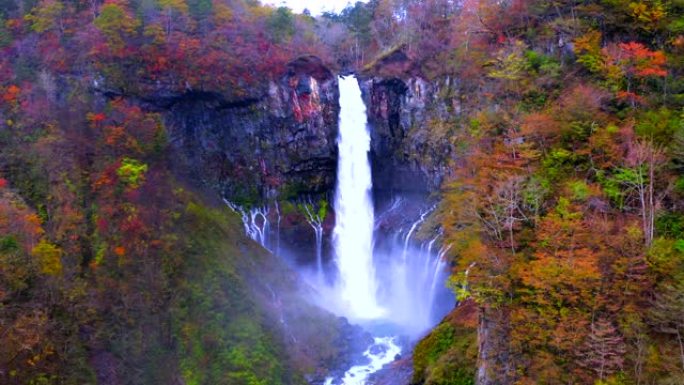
(315, 6)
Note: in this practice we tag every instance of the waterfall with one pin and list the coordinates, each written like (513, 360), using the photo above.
(381, 353)
(316, 223)
(255, 222)
(353, 233)
(277, 247)
(440, 265)
(413, 228)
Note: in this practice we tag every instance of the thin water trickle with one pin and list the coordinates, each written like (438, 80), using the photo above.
(316, 223)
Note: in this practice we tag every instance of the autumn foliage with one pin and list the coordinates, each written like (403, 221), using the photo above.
(562, 127)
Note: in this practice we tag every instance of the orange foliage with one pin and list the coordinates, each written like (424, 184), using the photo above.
(644, 62)
(11, 94)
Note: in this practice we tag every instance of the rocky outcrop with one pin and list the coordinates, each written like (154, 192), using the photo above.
(494, 364)
(409, 119)
(277, 143)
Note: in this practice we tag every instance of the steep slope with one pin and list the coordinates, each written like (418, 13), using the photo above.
(122, 124)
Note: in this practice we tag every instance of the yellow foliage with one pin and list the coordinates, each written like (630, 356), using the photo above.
(648, 14)
(222, 13)
(45, 15)
(176, 5)
(49, 258)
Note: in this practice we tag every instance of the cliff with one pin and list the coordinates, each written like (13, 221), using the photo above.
(277, 142)
(412, 123)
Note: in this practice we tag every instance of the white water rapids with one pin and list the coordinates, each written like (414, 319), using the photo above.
(381, 353)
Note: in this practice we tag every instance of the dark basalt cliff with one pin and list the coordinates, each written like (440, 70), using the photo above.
(410, 146)
(278, 143)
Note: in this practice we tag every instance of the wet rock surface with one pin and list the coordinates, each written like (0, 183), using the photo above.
(276, 143)
(411, 121)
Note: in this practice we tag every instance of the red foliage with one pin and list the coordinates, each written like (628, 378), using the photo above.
(629, 97)
(107, 177)
(133, 226)
(644, 62)
(102, 224)
(96, 118)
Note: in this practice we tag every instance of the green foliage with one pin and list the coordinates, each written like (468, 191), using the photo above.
(559, 162)
(577, 131)
(222, 332)
(281, 24)
(588, 49)
(131, 172)
(5, 35)
(564, 210)
(432, 347)
(542, 64)
(619, 184)
(30, 179)
(579, 190)
(535, 193)
(8, 244)
(445, 356)
(200, 8)
(534, 100)
(175, 5)
(618, 379)
(659, 125)
(511, 67)
(666, 257)
(670, 225)
(116, 24)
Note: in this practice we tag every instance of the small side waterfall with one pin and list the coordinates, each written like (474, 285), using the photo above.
(316, 223)
(439, 266)
(277, 243)
(412, 229)
(353, 233)
(255, 221)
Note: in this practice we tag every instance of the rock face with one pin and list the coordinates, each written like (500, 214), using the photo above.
(278, 143)
(494, 363)
(410, 134)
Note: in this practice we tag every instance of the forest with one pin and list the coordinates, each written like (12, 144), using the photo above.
(550, 134)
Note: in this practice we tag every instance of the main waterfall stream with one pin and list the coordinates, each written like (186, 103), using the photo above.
(354, 217)
(395, 297)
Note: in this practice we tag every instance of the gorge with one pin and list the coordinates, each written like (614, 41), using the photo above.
(377, 278)
(433, 192)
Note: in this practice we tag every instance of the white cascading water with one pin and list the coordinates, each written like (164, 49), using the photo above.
(316, 222)
(255, 221)
(353, 233)
(381, 353)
